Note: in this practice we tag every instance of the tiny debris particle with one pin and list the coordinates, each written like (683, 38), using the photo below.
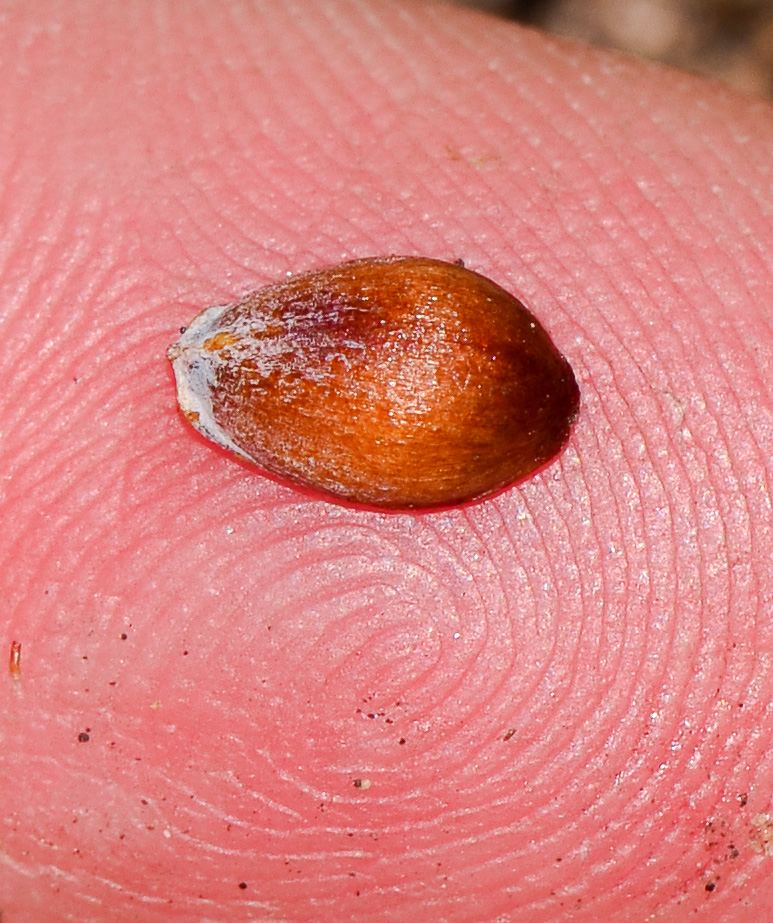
(509, 734)
(711, 885)
(761, 834)
(243, 885)
(83, 737)
(364, 784)
(14, 661)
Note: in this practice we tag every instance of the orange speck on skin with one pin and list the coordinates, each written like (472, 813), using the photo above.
(14, 661)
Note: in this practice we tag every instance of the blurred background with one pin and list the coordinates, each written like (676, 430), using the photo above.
(731, 40)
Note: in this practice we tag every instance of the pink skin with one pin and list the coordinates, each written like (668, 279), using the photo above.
(560, 697)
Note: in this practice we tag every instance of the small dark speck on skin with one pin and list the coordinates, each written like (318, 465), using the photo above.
(742, 799)
(182, 330)
(124, 636)
(711, 885)
(83, 737)
(243, 885)
(509, 734)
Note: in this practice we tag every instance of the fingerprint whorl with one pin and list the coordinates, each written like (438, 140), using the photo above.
(409, 661)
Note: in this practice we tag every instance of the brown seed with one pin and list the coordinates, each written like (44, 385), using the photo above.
(398, 382)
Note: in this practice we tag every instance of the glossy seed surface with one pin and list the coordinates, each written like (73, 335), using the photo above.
(398, 382)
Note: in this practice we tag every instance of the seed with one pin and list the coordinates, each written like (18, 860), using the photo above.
(397, 382)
